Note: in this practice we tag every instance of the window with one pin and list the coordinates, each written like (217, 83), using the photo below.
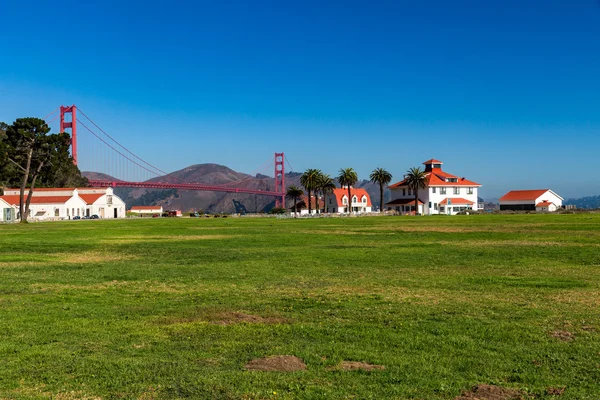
(330, 200)
(354, 199)
(435, 206)
(443, 190)
(451, 179)
(56, 212)
(364, 199)
(432, 190)
(410, 191)
(469, 190)
(456, 190)
(345, 200)
(403, 192)
(429, 204)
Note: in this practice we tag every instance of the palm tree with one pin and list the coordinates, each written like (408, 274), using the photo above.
(416, 179)
(309, 180)
(326, 186)
(294, 192)
(382, 177)
(348, 177)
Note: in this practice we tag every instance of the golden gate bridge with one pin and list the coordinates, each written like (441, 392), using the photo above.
(104, 154)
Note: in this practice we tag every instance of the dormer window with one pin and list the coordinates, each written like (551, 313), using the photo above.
(354, 199)
(364, 199)
(345, 200)
(451, 179)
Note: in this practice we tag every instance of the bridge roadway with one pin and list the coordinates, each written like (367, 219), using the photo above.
(182, 186)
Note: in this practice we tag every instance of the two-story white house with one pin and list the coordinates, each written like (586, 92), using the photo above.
(444, 193)
(337, 201)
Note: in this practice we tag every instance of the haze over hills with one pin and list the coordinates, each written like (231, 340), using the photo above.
(214, 202)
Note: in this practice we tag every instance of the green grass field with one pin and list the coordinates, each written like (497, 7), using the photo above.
(175, 308)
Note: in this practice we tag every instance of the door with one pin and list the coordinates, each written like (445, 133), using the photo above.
(115, 213)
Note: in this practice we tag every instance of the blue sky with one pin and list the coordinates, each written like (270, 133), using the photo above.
(506, 93)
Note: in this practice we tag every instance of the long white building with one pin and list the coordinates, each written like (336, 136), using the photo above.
(444, 193)
(66, 203)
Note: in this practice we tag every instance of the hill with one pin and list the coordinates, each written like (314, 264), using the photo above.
(215, 202)
(584, 202)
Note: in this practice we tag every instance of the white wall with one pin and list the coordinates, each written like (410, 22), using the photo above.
(427, 195)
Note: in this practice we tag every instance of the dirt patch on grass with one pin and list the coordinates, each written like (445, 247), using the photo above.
(230, 318)
(554, 391)
(276, 364)
(154, 238)
(490, 392)
(357, 365)
(93, 257)
(565, 336)
(224, 318)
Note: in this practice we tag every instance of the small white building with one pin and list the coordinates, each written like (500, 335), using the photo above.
(531, 200)
(337, 201)
(8, 212)
(444, 193)
(146, 211)
(66, 203)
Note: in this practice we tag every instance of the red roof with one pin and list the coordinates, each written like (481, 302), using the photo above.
(437, 177)
(145, 207)
(519, 195)
(339, 193)
(544, 204)
(433, 161)
(15, 200)
(455, 200)
(91, 198)
(403, 202)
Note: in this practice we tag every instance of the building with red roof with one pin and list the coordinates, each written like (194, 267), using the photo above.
(531, 200)
(337, 201)
(67, 203)
(444, 193)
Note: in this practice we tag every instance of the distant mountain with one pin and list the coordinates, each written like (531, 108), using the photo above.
(99, 176)
(584, 202)
(214, 202)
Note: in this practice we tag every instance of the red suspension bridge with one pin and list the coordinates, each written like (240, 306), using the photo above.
(102, 153)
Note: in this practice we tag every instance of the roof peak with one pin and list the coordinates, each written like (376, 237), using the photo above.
(432, 161)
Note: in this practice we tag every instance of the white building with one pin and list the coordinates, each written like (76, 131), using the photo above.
(8, 212)
(66, 203)
(337, 201)
(444, 193)
(302, 205)
(531, 200)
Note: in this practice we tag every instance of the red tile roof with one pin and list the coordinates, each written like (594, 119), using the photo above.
(544, 204)
(520, 195)
(47, 189)
(15, 200)
(455, 200)
(433, 161)
(437, 177)
(91, 198)
(402, 202)
(339, 193)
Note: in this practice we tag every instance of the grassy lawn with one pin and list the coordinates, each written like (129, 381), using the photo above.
(175, 308)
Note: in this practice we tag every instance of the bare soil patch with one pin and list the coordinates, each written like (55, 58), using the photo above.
(357, 365)
(276, 364)
(238, 317)
(554, 391)
(565, 336)
(490, 392)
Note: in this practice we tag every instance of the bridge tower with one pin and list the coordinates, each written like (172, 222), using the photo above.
(70, 124)
(280, 179)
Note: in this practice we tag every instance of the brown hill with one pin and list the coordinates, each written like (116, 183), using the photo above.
(214, 202)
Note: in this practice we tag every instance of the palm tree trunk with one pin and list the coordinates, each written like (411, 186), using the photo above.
(416, 201)
(349, 200)
(380, 197)
(309, 203)
(295, 207)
